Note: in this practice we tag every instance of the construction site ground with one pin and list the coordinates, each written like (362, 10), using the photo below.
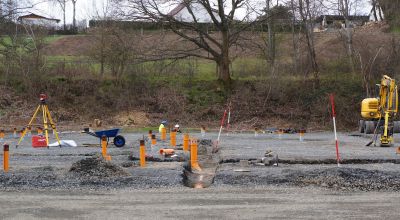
(306, 184)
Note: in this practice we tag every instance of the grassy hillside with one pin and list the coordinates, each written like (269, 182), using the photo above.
(186, 91)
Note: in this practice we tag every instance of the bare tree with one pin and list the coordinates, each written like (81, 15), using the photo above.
(220, 13)
(62, 4)
(74, 14)
(307, 10)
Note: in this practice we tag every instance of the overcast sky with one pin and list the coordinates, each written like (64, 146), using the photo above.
(87, 9)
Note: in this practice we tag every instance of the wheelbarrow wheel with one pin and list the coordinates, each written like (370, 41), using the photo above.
(119, 141)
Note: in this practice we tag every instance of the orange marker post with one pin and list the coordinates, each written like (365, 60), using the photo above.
(39, 131)
(6, 157)
(104, 146)
(193, 155)
(29, 131)
(15, 132)
(153, 140)
(142, 154)
(172, 135)
(2, 134)
(302, 131)
(163, 134)
(186, 142)
(150, 133)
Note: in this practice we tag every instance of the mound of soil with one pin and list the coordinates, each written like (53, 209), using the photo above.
(351, 178)
(96, 167)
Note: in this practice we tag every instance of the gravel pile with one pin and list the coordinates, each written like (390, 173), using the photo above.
(96, 167)
(350, 178)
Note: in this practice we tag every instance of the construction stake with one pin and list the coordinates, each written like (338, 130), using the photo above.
(301, 137)
(193, 155)
(6, 157)
(186, 142)
(104, 146)
(163, 134)
(150, 133)
(153, 140)
(172, 135)
(2, 135)
(142, 154)
(222, 124)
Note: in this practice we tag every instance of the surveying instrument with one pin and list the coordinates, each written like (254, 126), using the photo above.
(47, 121)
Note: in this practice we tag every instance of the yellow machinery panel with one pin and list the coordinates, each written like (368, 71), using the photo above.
(369, 108)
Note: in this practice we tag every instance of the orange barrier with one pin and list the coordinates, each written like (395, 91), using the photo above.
(165, 151)
(142, 154)
(163, 134)
(186, 142)
(6, 157)
(153, 139)
(172, 135)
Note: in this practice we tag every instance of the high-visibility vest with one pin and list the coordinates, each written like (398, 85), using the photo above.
(160, 128)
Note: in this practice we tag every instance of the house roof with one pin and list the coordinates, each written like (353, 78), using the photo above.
(177, 9)
(35, 16)
(181, 6)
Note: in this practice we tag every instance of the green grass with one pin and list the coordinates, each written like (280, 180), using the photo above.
(53, 38)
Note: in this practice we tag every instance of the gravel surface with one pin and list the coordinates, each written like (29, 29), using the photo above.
(307, 183)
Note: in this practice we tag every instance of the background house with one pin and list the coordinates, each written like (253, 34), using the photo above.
(37, 20)
(338, 21)
(181, 13)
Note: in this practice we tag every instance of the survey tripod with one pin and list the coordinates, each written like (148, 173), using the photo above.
(47, 121)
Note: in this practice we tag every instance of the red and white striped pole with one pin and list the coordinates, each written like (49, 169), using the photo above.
(229, 119)
(332, 98)
(222, 124)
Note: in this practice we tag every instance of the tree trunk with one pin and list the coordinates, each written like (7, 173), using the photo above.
(374, 10)
(311, 53)
(271, 40)
(223, 62)
(65, 23)
(73, 14)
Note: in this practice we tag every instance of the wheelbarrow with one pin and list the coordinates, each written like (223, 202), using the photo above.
(119, 140)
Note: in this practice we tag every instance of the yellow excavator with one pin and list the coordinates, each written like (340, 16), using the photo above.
(378, 113)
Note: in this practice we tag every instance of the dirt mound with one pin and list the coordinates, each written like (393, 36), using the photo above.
(96, 167)
(350, 178)
(133, 118)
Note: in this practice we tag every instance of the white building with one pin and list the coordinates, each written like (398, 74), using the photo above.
(34, 19)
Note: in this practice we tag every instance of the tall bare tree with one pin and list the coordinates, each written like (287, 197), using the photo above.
(220, 13)
(74, 14)
(307, 11)
(62, 4)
